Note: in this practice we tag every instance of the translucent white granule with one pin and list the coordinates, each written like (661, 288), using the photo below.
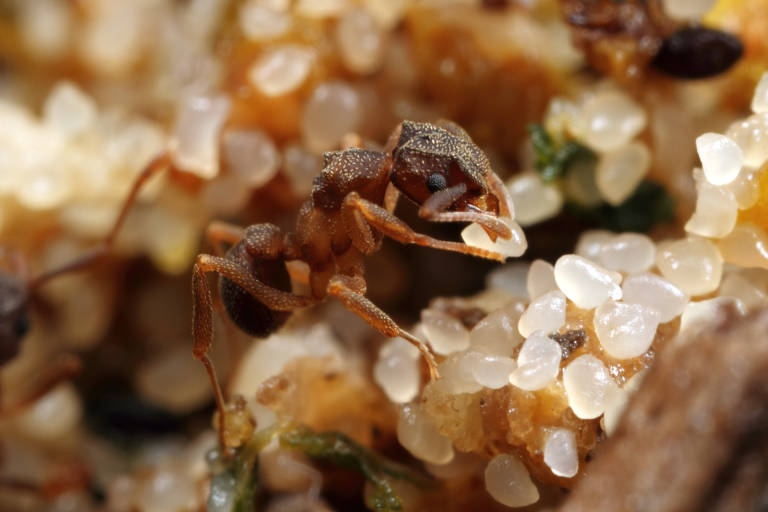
(398, 370)
(489, 371)
(538, 362)
(333, 110)
(53, 416)
(166, 489)
(716, 211)
(625, 330)
(721, 158)
(687, 10)
(541, 279)
(653, 291)
(301, 167)
(693, 264)
(261, 20)
(739, 287)
(746, 187)
(627, 252)
(45, 27)
(69, 110)
(620, 171)
(475, 235)
(746, 246)
(507, 481)
(545, 313)
(534, 200)
(591, 242)
(419, 436)
(361, 41)
(611, 119)
(196, 143)
(703, 312)
(281, 69)
(580, 186)
(457, 374)
(444, 333)
(588, 385)
(751, 134)
(265, 358)
(509, 278)
(586, 283)
(497, 333)
(760, 98)
(251, 156)
(561, 453)
(170, 381)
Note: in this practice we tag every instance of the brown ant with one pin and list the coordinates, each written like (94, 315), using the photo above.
(350, 209)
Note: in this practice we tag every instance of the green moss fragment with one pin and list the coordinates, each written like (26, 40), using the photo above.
(235, 486)
(343, 452)
(554, 158)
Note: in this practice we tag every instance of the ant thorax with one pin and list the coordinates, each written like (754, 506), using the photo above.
(352, 170)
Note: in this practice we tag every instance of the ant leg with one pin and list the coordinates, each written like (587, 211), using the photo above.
(202, 313)
(157, 164)
(219, 236)
(339, 287)
(398, 230)
(506, 206)
(391, 195)
(434, 209)
(219, 233)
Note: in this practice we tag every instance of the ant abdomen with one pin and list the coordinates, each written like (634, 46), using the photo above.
(248, 313)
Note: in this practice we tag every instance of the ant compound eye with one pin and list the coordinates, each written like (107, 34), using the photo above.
(436, 182)
(21, 326)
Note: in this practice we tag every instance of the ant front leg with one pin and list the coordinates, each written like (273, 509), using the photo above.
(341, 287)
(393, 227)
(434, 209)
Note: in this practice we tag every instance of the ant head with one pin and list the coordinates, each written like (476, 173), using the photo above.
(13, 315)
(428, 158)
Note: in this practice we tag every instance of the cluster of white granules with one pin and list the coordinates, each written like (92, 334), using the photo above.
(625, 293)
(606, 121)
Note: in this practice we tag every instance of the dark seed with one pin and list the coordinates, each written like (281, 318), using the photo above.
(697, 52)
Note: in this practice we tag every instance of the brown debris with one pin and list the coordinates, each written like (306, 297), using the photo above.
(695, 437)
(570, 341)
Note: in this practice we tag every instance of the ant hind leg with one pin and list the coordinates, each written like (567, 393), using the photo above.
(202, 316)
(340, 288)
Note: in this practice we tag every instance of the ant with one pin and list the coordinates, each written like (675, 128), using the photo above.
(437, 166)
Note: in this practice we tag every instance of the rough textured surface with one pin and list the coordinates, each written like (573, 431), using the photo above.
(696, 436)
